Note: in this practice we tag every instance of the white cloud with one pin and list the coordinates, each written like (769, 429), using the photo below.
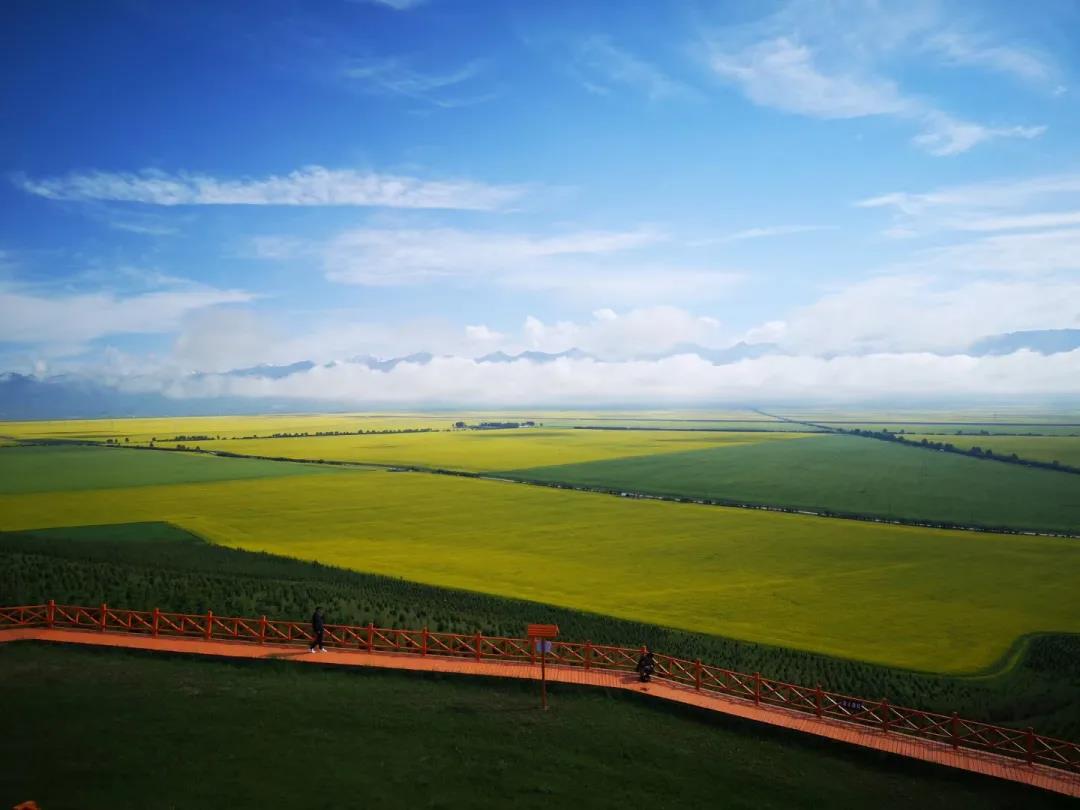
(606, 64)
(482, 333)
(393, 76)
(375, 256)
(947, 136)
(826, 62)
(1032, 253)
(313, 185)
(224, 339)
(967, 50)
(782, 73)
(635, 333)
(681, 380)
(913, 313)
(71, 320)
(999, 194)
(1023, 204)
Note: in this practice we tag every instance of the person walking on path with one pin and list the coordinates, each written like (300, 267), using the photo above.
(318, 627)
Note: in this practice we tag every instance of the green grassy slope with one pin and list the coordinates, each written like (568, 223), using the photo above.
(107, 728)
(143, 566)
(846, 474)
(66, 468)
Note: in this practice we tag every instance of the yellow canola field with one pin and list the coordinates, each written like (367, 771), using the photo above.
(900, 596)
(142, 430)
(491, 450)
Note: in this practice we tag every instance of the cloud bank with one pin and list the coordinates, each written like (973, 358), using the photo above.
(678, 380)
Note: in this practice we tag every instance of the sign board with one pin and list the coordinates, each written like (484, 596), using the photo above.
(543, 646)
(542, 630)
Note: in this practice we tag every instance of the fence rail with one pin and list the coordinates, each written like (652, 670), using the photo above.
(1020, 744)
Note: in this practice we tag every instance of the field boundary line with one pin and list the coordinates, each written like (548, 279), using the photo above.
(1015, 754)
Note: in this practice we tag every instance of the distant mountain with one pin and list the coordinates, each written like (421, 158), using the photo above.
(721, 357)
(1043, 341)
(272, 372)
(420, 358)
(534, 357)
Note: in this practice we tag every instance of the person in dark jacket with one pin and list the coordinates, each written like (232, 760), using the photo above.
(646, 665)
(318, 627)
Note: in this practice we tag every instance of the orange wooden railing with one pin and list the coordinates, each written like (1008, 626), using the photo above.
(960, 733)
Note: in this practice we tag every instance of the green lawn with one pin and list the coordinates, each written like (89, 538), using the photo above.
(64, 468)
(846, 474)
(105, 728)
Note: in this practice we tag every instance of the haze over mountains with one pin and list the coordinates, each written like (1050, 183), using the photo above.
(310, 385)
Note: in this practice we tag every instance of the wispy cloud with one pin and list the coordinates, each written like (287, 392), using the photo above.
(836, 61)
(602, 65)
(783, 73)
(310, 186)
(374, 256)
(396, 5)
(1041, 204)
(969, 50)
(393, 76)
(760, 233)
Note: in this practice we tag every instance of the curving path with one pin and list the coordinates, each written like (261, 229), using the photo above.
(899, 744)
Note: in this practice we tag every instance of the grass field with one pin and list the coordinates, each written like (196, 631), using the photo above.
(1063, 449)
(847, 474)
(276, 734)
(482, 450)
(908, 597)
(146, 566)
(67, 468)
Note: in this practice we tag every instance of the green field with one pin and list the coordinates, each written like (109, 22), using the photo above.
(901, 596)
(847, 474)
(70, 468)
(278, 734)
(143, 566)
(1063, 449)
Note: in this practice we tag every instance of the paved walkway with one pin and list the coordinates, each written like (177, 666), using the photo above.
(893, 743)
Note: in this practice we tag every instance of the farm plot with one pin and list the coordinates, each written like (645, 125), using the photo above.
(900, 596)
(483, 450)
(846, 474)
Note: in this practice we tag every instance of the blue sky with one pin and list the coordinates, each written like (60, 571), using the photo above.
(197, 187)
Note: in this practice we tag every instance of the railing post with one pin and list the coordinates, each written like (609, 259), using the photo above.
(588, 655)
(885, 715)
(104, 615)
(423, 642)
(157, 621)
(370, 636)
(262, 630)
(955, 730)
(478, 653)
(819, 700)
(1030, 746)
(757, 688)
(697, 674)
(50, 613)
(209, 624)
